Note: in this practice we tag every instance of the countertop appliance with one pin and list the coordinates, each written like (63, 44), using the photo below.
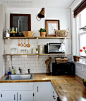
(54, 48)
(63, 68)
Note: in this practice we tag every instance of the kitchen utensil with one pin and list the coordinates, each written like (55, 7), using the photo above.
(21, 43)
(28, 45)
(47, 62)
(24, 44)
(18, 42)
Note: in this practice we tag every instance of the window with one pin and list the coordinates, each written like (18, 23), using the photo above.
(82, 33)
(82, 40)
(83, 18)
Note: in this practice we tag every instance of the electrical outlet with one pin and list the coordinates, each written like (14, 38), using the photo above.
(42, 64)
(82, 67)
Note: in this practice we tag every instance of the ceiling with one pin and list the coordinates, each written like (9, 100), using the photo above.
(36, 3)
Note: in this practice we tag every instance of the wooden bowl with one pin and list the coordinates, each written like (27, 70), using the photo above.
(27, 33)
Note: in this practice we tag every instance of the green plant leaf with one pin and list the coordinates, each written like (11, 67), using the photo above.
(85, 51)
(42, 30)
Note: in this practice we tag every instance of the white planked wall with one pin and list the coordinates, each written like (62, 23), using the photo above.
(31, 61)
(2, 30)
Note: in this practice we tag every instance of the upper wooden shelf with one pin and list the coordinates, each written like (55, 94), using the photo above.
(36, 37)
(36, 54)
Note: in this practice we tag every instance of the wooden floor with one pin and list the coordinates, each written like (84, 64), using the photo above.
(68, 88)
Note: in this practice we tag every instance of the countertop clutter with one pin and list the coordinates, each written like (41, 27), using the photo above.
(68, 88)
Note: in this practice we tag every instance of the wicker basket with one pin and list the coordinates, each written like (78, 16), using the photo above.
(61, 33)
(61, 60)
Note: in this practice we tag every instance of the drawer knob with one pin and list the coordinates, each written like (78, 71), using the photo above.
(54, 97)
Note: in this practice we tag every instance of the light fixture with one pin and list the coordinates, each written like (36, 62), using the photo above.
(41, 14)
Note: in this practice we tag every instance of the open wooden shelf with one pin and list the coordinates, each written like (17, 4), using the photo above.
(56, 54)
(20, 37)
(17, 54)
(35, 54)
(53, 37)
(36, 37)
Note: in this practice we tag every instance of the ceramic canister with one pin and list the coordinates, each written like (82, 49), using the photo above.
(40, 49)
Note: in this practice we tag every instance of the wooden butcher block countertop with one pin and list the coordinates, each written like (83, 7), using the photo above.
(68, 88)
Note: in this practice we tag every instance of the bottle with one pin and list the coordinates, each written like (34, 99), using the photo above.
(12, 29)
(9, 72)
(13, 70)
(7, 33)
(16, 30)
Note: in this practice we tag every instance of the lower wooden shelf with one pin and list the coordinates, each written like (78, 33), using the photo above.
(34, 54)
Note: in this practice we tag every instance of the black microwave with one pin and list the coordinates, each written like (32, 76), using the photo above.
(54, 48)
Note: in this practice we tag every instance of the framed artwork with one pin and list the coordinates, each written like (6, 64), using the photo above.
(51, 26)
(21, 21)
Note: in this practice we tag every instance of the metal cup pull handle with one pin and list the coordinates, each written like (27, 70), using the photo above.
(20, 96)
(14, 97)
(37, 88)
(1, 95)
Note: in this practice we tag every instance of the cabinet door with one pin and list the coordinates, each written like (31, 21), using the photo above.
(9, 96)
(25, 95)
(42, 92)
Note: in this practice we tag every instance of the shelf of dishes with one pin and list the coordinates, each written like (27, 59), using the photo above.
(33, 51)
(36, 37)
(35, 54)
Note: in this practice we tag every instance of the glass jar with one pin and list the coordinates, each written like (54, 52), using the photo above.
(14, 51)
(23, 51)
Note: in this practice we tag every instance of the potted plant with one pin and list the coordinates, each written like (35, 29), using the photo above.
(84, 82)
(83, 50)
(76, 58)
(42, 32)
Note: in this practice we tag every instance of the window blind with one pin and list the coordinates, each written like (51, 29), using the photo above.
(79, 8)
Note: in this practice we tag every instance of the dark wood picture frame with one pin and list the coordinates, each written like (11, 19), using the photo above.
(47, 22)
(29, 20)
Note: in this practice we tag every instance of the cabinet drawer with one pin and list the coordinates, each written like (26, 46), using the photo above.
(17, 86)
